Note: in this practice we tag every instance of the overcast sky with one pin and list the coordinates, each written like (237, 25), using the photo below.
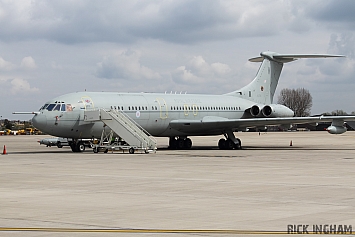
(49, 48)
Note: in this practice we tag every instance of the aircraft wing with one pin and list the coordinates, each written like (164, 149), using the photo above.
(215, 123)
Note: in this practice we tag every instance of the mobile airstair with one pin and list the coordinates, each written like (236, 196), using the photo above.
(134, 136)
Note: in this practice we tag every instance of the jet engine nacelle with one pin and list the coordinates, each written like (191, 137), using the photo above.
(276, 110)
(255, 110)
(336, 129)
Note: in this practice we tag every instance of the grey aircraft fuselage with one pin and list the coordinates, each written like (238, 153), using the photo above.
(152, 111)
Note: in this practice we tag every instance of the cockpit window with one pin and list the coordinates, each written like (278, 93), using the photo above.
(50, 107)
(69, 107)
(43, 107)
(57, 107)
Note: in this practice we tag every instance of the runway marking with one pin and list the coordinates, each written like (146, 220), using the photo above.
(158, 231)
(140, 230)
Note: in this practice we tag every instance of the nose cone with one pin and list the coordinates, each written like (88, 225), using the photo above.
(39, 121)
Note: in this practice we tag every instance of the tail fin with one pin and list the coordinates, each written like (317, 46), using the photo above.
(262, 89)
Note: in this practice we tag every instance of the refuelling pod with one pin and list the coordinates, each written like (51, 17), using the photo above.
(336, 129)
(276, 110)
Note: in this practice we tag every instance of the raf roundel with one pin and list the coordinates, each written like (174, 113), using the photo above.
(138, 114)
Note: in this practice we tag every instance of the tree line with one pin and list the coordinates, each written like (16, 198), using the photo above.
(300, 101)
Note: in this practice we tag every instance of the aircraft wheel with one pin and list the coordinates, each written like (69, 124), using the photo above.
(239, 145)
(80, 147)
(180, 144)
(96, 150)
(229, 144)
(73, 147)
(59, 145)
(105, 151)
(131, 150)
(172, 143)
(187, 143)
(222, 144)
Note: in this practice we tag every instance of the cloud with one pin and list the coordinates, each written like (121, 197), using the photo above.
(332, 71)
(343, 44)
(56, 66)
(335, 12)
(19, 86)
(28, 63)
(5, 65)
(198, 71)
(183, 22)
(124, 66)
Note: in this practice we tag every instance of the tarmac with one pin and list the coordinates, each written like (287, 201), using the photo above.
(261, 189)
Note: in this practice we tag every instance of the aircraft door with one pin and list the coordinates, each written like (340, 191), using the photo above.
(186, 110)
(194, 110)
(88, 103)
(163, 107)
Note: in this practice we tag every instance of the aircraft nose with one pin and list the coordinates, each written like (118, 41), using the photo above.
(39, 121)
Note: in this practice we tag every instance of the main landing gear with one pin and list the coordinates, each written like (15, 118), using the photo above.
(182, 143)
(77, 146)
(230, 143)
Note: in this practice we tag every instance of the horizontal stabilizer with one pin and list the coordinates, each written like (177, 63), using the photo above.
(285, 58)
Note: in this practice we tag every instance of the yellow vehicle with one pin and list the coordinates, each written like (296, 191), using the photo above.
(21, 132)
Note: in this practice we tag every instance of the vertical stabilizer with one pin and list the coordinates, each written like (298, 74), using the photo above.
(262, 89)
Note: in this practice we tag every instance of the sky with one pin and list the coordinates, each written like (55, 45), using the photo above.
(50, 48)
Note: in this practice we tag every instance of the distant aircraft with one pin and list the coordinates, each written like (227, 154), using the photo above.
(179, 116)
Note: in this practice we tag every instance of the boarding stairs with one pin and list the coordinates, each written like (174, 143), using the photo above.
(124, 126)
